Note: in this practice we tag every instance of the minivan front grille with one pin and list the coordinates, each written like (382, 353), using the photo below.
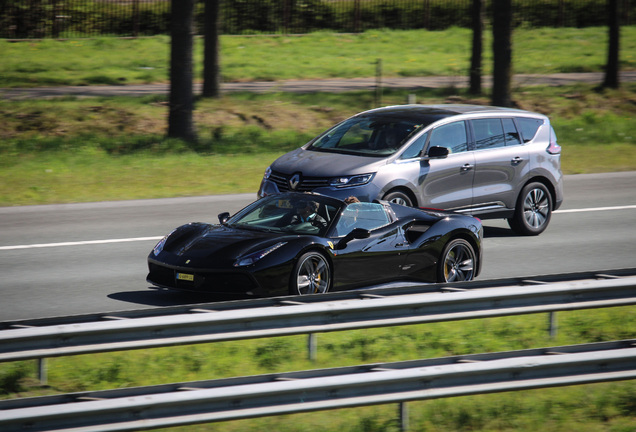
(307, 184)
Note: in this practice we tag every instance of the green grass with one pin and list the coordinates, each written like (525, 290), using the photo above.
(599, 407)
(318, 55)
(95, 149)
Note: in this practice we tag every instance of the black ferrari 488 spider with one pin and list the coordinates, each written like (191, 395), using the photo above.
(299, 243)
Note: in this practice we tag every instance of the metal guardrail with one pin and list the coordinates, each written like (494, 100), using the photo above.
(286, 393)
(314, 314)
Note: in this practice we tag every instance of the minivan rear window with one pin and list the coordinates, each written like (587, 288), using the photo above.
(528, 127)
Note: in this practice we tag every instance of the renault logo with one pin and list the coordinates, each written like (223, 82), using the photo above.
(294, 181)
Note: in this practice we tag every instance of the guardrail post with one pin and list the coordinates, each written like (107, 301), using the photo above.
(42, 375)
(404, 417)
(311, 346)
(553, 325)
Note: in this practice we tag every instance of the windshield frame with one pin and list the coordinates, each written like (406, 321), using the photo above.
(378, 134)
(274, 213)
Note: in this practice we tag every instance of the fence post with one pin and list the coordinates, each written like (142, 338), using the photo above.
(378, 83)
(42, 375)
(404, 417)
(553, 325)
(311, 346)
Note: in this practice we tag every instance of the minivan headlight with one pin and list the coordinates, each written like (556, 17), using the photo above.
(350, 181)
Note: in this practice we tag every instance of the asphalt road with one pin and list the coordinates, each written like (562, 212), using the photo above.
(82, 258)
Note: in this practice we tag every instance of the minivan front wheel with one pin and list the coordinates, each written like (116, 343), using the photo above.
(533, 211)
(398, 197)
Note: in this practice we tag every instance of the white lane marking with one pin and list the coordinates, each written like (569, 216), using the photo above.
(157, 238)
(80, 243)
(596, 209)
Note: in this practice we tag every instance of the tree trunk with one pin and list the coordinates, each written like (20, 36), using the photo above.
(476, 56)
(612, 66)
(180, 123)
(502, 52)
(211, 64)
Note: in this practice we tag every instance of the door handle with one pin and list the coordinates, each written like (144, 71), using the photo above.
(516, 160)
(466, 167)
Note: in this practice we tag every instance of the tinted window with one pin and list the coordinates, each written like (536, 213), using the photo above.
(370, 135)
(510, 132)
(488, 133)
(452, 136)
(528, 127)
(415, 149)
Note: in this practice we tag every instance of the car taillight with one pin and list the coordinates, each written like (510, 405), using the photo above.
(553, 147)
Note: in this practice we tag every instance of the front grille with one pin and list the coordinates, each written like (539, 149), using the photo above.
(211, 282)
(307, 184)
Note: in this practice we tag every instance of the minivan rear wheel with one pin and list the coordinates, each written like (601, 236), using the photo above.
(398, 197)
(533, 210)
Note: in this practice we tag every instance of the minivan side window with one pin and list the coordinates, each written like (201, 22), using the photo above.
(528, 127)
(453, 136)
(510, 132)
(415, 149)
(489, 133)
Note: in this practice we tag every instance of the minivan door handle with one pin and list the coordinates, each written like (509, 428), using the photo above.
(516, 160)
(466, 167)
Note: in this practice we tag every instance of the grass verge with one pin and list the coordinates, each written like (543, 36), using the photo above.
(96, 149)
(599, 407)
(114, 61)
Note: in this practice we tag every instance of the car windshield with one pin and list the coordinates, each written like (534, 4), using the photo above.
(291, 213)
(369, 135)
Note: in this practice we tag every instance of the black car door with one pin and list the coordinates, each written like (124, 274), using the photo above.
(369, 261)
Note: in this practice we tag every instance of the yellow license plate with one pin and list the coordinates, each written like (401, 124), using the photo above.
(185, 276)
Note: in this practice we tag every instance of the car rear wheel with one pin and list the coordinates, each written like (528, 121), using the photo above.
(398, 197)
(533, 211)
(312, 275)
(458, 262)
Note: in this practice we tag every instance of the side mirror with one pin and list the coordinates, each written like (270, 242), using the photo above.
(223, 217)
(357, 233)
(437, 152)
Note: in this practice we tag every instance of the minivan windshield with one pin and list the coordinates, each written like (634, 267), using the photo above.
(369, 135)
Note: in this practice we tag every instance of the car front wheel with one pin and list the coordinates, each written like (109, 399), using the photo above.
(398, 197)
(533, 211)
(312, 275)
(458, 262)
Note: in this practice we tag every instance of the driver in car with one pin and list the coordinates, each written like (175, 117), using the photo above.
(306, 211)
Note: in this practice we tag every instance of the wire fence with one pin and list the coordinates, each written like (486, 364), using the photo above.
(26, 19)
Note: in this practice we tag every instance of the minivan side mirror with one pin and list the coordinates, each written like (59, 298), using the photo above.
(223, 217)
(436, 152)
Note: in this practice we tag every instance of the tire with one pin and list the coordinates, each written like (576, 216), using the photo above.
(533, 211)
(312, 275)
(457, 263)
(398, 197)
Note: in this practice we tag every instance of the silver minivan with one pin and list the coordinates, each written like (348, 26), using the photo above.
(484, 161)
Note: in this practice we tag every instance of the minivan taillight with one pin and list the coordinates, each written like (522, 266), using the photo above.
(553, 148)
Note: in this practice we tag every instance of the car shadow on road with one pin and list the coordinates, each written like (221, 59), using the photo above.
(160, 297)
(498, 232)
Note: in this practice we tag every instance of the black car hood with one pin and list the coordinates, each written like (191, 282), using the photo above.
(206, 243)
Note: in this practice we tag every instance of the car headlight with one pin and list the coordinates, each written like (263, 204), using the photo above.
(268, 172)
(159, 246)
(350, 181)
(255, 256)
